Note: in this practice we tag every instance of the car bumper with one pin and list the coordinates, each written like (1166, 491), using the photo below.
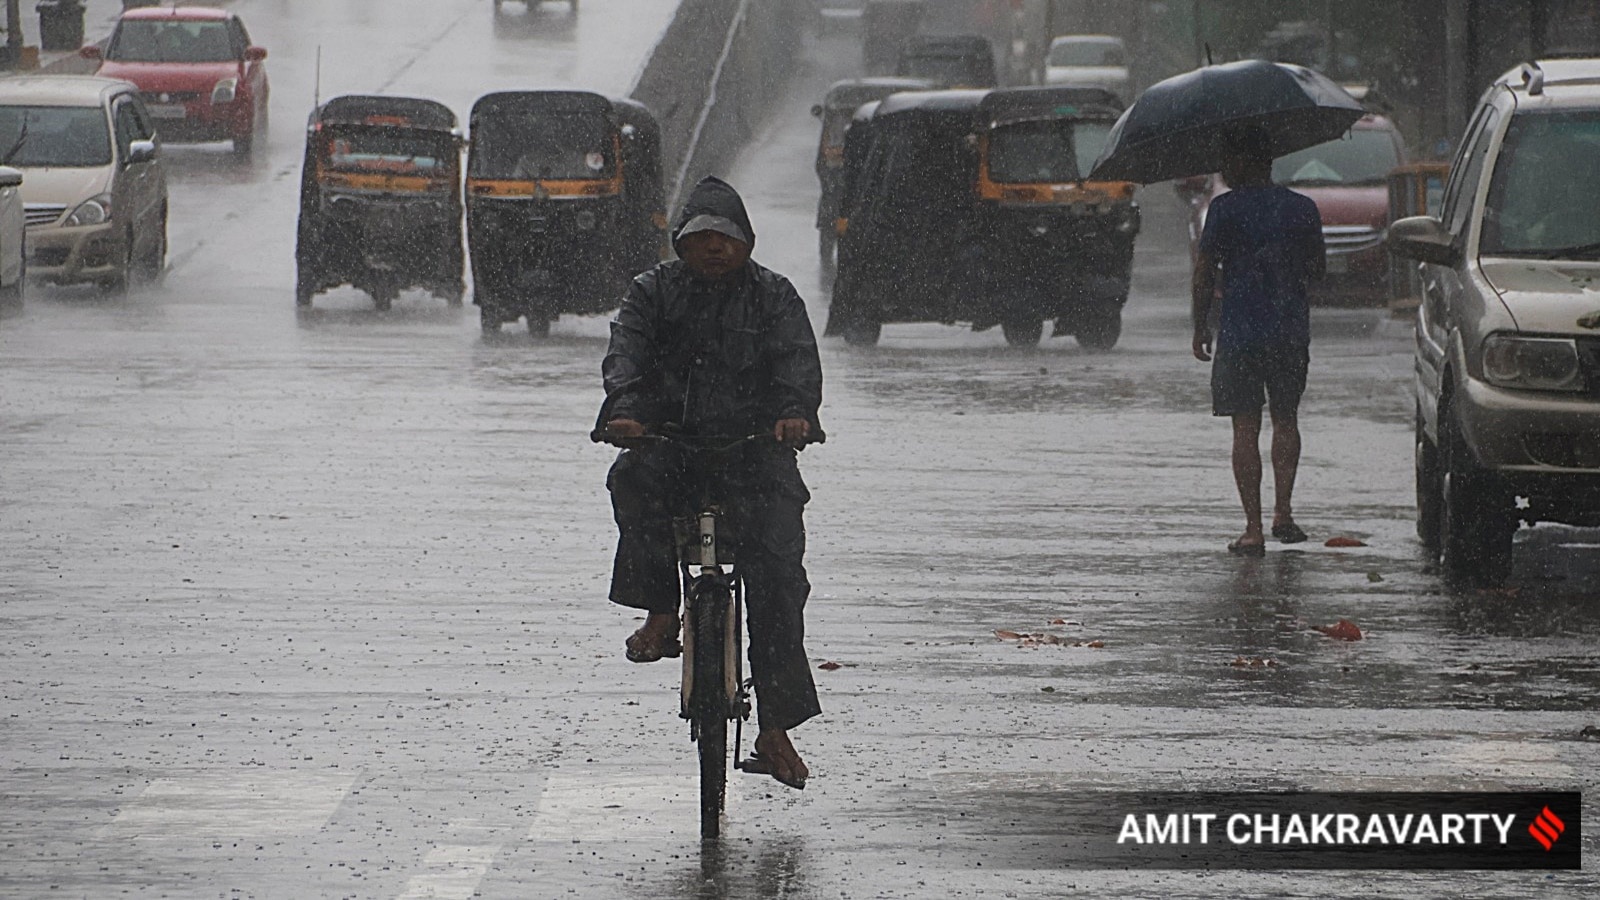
(69, 255)
(202, 121)
(1357, 278)
(1543, 446)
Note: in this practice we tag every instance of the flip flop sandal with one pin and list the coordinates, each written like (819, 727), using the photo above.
(1289, 533)
(1238, 549)
(670, 648)
(757, 764)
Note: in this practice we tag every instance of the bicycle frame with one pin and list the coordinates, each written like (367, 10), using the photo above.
(717, 593)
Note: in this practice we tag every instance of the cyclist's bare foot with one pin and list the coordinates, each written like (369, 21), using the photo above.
(656, 638)
(782, 762)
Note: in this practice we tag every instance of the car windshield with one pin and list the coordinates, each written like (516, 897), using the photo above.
(67, 136)
(376, 149)
(529, 146)
(171, 40)
(1544, 198)
(1364, 157)
(1087, 53)
(1050, 152)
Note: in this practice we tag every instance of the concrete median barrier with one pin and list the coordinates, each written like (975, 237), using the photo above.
(710, 78)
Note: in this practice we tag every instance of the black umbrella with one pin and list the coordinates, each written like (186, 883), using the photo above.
(1180, 126)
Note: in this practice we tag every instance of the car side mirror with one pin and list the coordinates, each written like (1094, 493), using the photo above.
(255, 54)
(1424, 239)
(90, 51)
(141, 152)
(9, 177)
(816, 110)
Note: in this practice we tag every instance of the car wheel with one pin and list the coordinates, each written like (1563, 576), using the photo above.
(1476, 524)
(827, 247)
(862, 330)
(245, 145)
(488, 319)
(153, 264)
(538, 324)
(1430, 498)
(383, 296)
(1023, 332)
(11, 296)
(1099, 328)
(118, 282)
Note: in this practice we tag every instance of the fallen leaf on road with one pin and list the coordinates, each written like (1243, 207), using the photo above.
(1374, 577)
(1344, 630)
(829, 666)
(1005, 635)
(1058, 621)
(1253, 662)
(1344, 541)
(1095, 644)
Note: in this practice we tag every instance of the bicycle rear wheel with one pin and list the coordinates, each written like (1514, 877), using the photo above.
(711, 704)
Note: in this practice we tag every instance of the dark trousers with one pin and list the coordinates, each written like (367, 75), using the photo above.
(763, 499)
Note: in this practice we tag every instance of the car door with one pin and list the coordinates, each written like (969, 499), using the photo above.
(255, 72)
(1437, 318)
(135, 181)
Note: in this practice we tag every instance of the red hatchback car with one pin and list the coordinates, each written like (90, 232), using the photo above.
(1348, 179)
(196, 70)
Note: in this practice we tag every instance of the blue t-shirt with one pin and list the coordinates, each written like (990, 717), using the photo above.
(1266, 239)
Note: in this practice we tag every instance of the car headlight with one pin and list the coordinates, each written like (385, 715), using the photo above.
(225, 90)
(1538, 364)
(584, 220)
(93, 211)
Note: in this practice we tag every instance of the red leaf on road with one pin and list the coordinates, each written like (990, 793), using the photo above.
(1005, 635)
(829, 666)
(1344, 630)
(1344, 541)
(1058, 621)
(1095, 644)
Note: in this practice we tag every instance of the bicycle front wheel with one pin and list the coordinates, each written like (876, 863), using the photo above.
(711, 706)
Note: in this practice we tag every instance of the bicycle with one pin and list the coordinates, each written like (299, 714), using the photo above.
(714, 690)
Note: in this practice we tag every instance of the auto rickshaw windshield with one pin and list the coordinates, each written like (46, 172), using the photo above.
(1050, 151)
(525, 147)
(390, 150)
(946, 68)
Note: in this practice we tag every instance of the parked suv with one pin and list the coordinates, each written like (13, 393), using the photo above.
(1508, 334)
(94, 193)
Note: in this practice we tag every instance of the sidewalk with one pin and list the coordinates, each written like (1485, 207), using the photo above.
(98, 19)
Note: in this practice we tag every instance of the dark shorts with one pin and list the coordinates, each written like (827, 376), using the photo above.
(1245, 379)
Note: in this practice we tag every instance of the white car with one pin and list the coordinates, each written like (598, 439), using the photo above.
(13, 264)
(1088, 60)
(95, 194)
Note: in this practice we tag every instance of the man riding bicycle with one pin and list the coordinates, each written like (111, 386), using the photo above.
(714, 343)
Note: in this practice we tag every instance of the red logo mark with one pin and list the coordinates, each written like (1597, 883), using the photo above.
(1546, 828)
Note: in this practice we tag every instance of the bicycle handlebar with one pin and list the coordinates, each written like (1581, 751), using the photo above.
(714, 442)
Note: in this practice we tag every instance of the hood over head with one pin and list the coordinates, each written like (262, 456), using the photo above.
(714, 205)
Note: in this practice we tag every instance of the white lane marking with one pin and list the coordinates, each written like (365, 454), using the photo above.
(453, 871)
(227, 804)
(608, 806)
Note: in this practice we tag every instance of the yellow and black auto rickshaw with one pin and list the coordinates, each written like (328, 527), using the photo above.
(837, 108)
(380, 200)
(564, 204)
(971, 207)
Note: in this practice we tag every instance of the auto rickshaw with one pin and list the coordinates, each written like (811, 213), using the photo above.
(564, 204)
(380, 200)
(835, 111)
(971, 207)
(951, 61)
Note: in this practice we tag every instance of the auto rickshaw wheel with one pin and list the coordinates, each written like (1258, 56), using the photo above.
(1022, 332)
(862, 330)
(1099, 328)
(538, 324)
(383, 296)
(488, 320)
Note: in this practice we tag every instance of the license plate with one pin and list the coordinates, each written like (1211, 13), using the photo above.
(1338, 265)
(167, 111)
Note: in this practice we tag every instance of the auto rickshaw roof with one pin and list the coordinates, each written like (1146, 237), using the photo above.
(964, 101)
(542, 102)
(373, 109)
(852, 92)
(1019, 103)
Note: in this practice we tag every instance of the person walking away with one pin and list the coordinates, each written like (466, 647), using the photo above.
(1264, 242)
(717, 344)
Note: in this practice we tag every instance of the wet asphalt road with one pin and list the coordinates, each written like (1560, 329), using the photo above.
(312, 606)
